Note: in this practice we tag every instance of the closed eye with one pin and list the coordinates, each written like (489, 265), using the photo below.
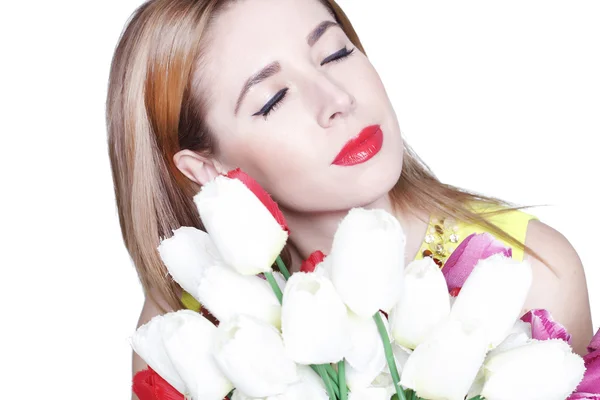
(338, 55)
(276, 100)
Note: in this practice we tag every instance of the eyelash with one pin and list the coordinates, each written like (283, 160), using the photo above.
(275, 102)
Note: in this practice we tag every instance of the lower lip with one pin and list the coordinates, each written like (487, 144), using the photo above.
(362, 148)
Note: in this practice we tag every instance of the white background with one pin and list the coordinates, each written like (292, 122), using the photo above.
(498, 97)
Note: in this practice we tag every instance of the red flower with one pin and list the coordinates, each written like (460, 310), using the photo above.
(262, 195)
(312, 261)
(148, 385)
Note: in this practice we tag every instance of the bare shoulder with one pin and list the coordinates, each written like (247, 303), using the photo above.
(559, 283)
(149, 310)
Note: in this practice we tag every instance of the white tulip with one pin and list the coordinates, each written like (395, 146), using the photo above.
(366, 355)
(324, 267)
(372, 393)
(384, 379)
(357, 380)
(401, 355)
(280, 279)
(188, 341)
(519, 335)
(367, 257)
(423, 305)
(539, 370)
(444, 366)
(196, 265)
(251, 354)
(314, 320)
(187, 254)
(226, 293)
(310, 386)
(244, 231)
(493, 296)
(148, 344)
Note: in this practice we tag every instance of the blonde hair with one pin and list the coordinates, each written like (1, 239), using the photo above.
(154, 109)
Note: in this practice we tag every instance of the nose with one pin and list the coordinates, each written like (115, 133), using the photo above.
(334, 101)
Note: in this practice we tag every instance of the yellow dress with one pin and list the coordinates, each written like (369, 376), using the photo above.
(444, 235)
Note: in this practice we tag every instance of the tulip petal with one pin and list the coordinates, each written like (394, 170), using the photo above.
(261, 194)
(591, 379)
(584, 396)
(314, 320)
(366, 354)
(187, 254)
(253, 296)
(367, 257)
(252, 356)
(595, 342)
(423, 305)
(312, 261)
(188, 341)
(519, 335)
(372, 393)
(147, 343)
(484, 300)
(543, 327)
(463, 259)
(148, 385)
(310, 386)
(539, 370)
(243, 230)
(445, 365)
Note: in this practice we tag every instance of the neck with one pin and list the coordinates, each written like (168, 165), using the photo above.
(314, 231)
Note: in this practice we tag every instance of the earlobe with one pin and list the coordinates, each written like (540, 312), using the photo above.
(195, 167)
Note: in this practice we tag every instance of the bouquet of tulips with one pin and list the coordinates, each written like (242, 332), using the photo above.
(354, 324)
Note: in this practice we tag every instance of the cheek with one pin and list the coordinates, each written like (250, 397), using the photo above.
(272, 163)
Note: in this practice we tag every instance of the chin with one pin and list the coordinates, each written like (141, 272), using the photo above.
(374, 183)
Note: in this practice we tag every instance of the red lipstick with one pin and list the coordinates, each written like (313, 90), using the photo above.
(361, 148)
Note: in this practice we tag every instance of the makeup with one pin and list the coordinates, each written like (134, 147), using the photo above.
(361, 148)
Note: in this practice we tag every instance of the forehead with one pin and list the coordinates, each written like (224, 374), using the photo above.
(250, 34)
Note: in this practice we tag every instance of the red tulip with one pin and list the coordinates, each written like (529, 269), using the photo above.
(262, 195)
(312, 261)
(148, 385)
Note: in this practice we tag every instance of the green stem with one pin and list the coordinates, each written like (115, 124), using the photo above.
(328, 383)
(478, 397)
(342, 380)
(283, 268)
(389, 355)
(332, 374)
(274, 286)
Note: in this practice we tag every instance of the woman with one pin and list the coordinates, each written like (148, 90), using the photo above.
(284, 90)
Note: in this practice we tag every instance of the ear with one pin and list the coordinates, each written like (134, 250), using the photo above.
(196, 167)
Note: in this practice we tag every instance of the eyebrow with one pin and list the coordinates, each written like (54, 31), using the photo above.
(274, 67)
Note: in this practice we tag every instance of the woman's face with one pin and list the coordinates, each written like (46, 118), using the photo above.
(293, 149)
